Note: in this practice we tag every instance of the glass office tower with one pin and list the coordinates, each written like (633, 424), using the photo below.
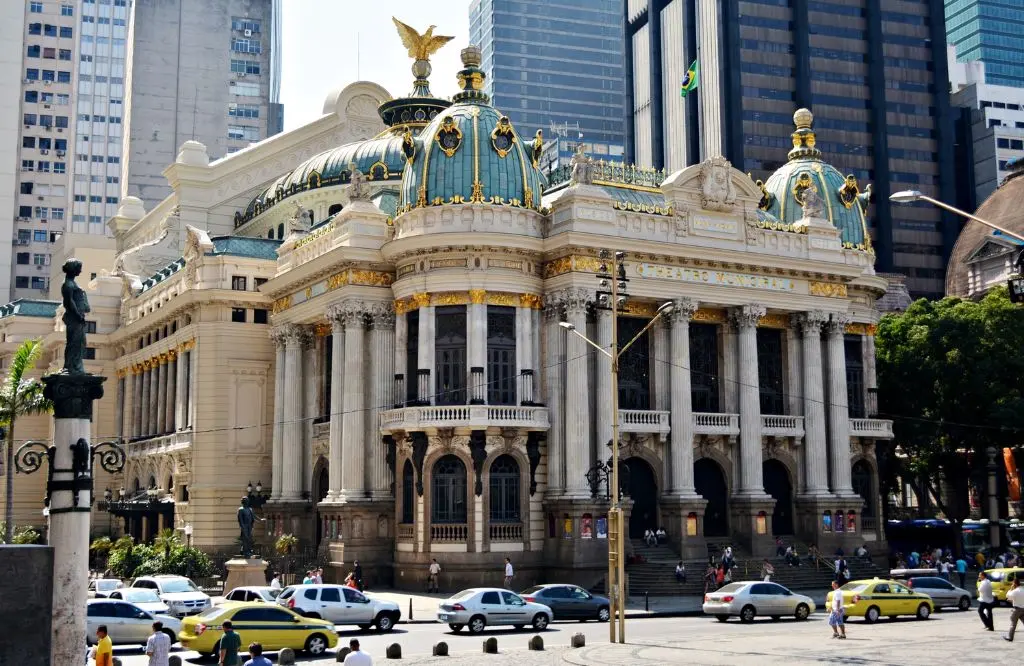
(991, 31)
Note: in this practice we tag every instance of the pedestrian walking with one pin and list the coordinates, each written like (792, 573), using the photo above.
(767, 571)
(985, 601)
(710, 579)
(357, 657)
(1016, 597)
(961, 570)
(308, 579)
(104, 647)
(836, 616)
(318, 576)
(509, 573)
(230, 643)
(256, 657)
(432, 574)
(275, 582)
(357, 571)
(158, 646)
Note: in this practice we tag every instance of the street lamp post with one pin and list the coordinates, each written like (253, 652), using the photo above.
(612, 296)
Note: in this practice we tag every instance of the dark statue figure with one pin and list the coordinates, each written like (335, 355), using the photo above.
(246, 519)
(80, 455)
(76, 306)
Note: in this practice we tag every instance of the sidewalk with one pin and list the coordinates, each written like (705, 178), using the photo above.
(422, 608)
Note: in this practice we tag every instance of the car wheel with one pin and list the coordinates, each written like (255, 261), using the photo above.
(385, 622)
(477, 624)
(722, 618)
(965, 603)
(455, 627)
(802, 612)
(316, 645)
(603, 614)
(170, 635)
(747, 614)
(540, 622)
(872, 614)
(924, 611)
(364, 627)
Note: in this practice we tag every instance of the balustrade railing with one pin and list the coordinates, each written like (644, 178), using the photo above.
(399, 390)
(477, 386)
(423, 393)
(445, 416)
(406, 532)
(507, 532)
(449, 533)
(871, 428)
(526, 388)
(782, 424)
(711, 423)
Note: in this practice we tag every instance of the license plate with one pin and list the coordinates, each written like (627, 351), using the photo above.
(442, 616)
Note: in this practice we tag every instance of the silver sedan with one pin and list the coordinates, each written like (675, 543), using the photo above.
(478, 608)
(749, 599)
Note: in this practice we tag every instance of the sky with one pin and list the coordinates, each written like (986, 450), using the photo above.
(320, 49)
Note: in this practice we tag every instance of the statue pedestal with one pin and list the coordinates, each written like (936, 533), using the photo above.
(243, 572)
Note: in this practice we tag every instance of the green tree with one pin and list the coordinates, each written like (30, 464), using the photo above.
(949, 375)
(167, 541)
(19, 395)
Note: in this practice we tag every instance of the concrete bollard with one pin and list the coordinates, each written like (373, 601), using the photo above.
(491, 646)
(286, 657)
(342, 653)
(393, 651)
(174, 660)
(440, 649)
(577, 641)
(536, 643)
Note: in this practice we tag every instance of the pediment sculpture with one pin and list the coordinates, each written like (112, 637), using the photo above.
(717, 191)
(148, 258)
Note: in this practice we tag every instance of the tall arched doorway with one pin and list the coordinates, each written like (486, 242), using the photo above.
(710, 483)
(321, 484)
(639, 483)
(778, 485)
(864, 485)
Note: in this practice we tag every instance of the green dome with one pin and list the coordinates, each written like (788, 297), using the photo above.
(470, 153)
(843, 203)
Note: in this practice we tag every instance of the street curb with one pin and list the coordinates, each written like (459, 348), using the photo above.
(630, 615)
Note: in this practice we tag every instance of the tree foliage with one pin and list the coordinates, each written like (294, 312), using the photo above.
(950, 376)
(166, 555)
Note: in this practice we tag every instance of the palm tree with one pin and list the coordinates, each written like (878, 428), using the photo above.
(168, 540)
(19, 395)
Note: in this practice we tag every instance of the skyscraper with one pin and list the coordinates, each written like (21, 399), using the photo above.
(874, 73)
(991, 31)
(208, 70)
(12, 30)
(549, 65)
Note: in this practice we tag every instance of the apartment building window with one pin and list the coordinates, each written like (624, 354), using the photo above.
(32, 96)
(39, 283)
(41, 259)
(245, 67)
(32, 74)
(111, 200)
(33, 50)
(243, 110)
(40, 236)
(238, 315)
(67, 32)
(243, 24)
(245, 45)
(56, 213)
(43, 166)
(23, 258)
(35, 28)
(60, 121)
(50, 53)
(42, 212)
(50, 30)
(238, 282)
(88, 19)
(24, 211)
(90, 326)
(26, 188)
(63, 77)
(67, 10)
(243, 133)
(21, 282)
(113, 159)
(28, 165)
(49, 75)
(46, 120)
(65, 54)
(35, 7)
(30, 118)
(245, 89)
(28, 141)
(59, 167)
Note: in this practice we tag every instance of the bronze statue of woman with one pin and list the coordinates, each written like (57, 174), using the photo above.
(76, 305)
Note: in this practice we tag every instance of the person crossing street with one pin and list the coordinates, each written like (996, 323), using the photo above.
(1016, 597)
(985, 601)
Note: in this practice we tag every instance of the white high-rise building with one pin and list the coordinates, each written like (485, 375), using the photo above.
(12, 26)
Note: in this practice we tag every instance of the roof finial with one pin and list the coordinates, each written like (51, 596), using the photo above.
(471, 77)
(803, 137)
(421, 47)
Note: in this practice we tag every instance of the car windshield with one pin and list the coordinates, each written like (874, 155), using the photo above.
(465, 594)
(853, 587)
(731, 587)
(139, 595)
(178, 585)
(107, 585)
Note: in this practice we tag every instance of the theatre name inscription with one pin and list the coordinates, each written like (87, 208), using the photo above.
(715, 277)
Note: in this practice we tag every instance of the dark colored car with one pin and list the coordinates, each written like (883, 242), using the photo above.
(569, 602)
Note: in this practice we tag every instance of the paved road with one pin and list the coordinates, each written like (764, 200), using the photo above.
(949, 637)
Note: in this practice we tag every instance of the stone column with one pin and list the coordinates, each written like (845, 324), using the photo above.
(425, 390)
(603, 380)
(660, 369)
(297, 338)
(137, 399)
(154, 394)
(536, 363)
(122, 400)
(839, 410)
(578, 447)
(681, 400)
(525, 333)
(334, 457)
(751, 482)
(815, 448)
(870, 377)
(476, 346)
(161, 395)
(353, 444)
(794, 369)
(311, 388)
(147, 398)
(193, 384)
(554, 350)
(180, 389)
(401, 363)
(729, 385)
(277, 451)
(172, 385)
(382, 380)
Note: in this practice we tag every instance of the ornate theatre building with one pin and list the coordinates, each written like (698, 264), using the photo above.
(363, 314)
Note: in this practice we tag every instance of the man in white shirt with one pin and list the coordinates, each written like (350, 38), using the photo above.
(275, 582)
(158, 646)
(508, 574)
(1016, 597)
(434, 570)
(985, 601)
(837, 613)
(357, 657)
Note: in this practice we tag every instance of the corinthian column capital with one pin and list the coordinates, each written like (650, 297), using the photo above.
(382, 316)
(837, 323)
(683, 310)
(747, 316)
(810, 322)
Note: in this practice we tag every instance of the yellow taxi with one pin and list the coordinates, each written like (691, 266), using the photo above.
(871, 599)
(273, 626)
(1002, 580)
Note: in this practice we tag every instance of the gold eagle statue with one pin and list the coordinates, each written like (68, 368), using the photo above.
(421, 47)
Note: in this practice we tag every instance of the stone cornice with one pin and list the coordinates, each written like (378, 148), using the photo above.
(477, 296)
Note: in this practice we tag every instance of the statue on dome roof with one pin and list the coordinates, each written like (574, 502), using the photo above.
(582, 167)
(357, 189)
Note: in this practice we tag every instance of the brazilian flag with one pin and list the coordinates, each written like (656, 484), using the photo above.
(691, 80)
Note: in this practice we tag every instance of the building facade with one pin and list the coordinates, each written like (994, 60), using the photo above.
(364, 315)
(874, 73)
(12, 43)
(549, 65)
(988, 31)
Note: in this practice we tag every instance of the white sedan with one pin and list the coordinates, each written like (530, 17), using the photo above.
(147, 600)
(749, 599)
(126, 623)
(480, 607)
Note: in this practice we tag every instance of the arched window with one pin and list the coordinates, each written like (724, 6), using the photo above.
(270, 233)
(170, 483)
(504, 490)
(333, 210)
(280, 231)
(138, 485)
(448, 491)
(408, 490)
